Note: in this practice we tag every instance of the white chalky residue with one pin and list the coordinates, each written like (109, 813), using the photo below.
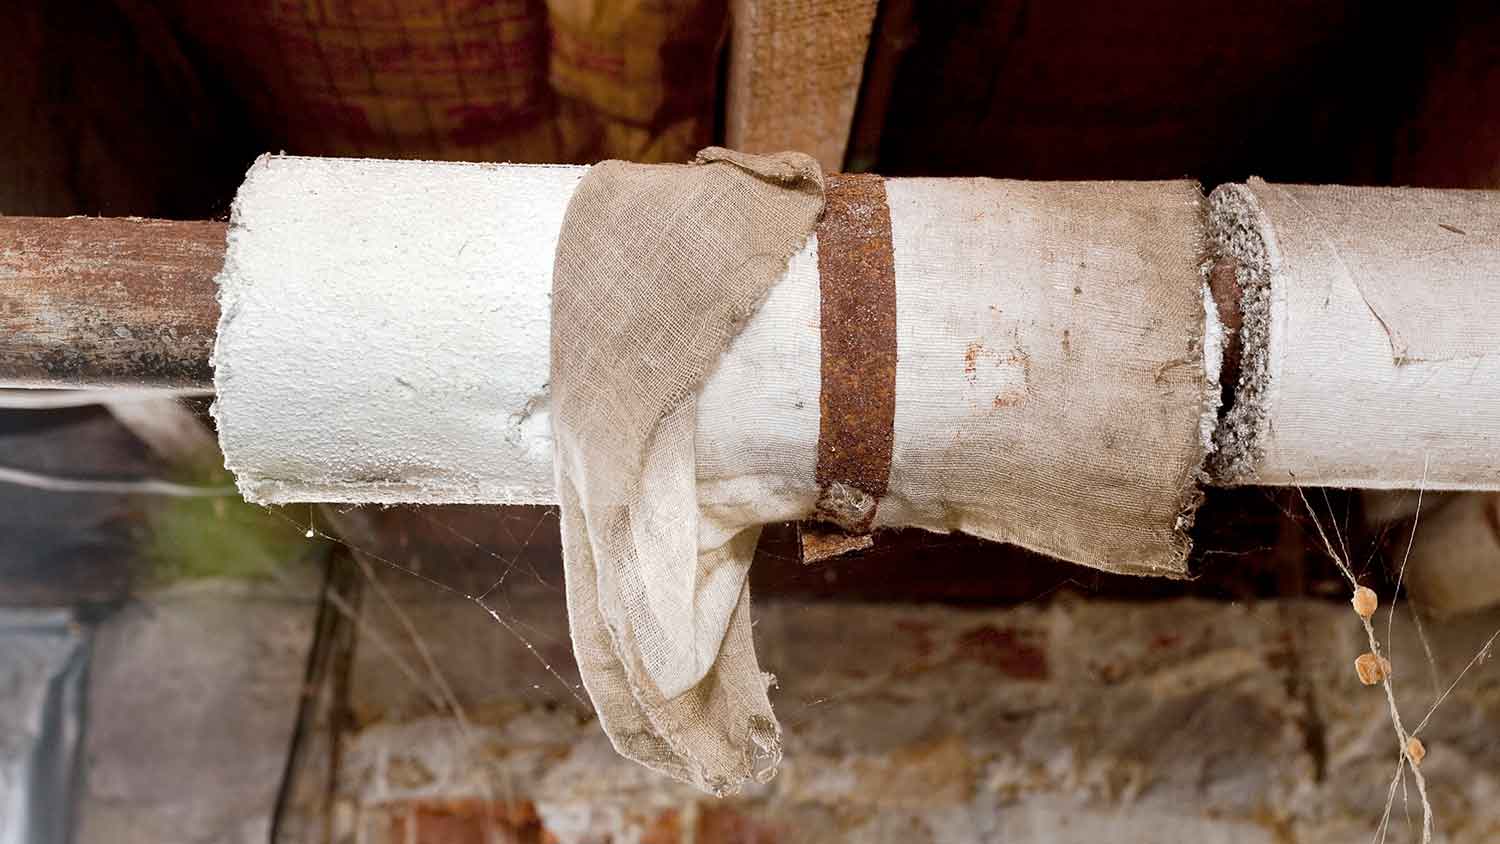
(385, 331)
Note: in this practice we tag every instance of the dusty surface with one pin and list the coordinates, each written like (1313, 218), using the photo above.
(857, 328)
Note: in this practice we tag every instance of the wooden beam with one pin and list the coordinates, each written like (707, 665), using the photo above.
(893, 34)
(88, 301)
(794, 75)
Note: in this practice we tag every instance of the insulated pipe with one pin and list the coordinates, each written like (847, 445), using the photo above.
(1371, 336)
(131, 302)
(385, 323)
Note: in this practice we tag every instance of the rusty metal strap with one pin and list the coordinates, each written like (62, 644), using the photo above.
(857, 272)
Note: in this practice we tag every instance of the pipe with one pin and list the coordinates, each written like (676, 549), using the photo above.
(1370, 355)
(131, 302)
(100, 302)
(91, 302)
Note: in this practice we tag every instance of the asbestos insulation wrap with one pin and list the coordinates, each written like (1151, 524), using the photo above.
(1372, 347)
(385, 332)
(1050, 374)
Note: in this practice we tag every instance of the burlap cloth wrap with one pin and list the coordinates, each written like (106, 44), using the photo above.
(657, 267)
(1091, 454)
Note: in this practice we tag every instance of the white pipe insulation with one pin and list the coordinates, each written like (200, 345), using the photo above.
(1371, 336)
(385, 331)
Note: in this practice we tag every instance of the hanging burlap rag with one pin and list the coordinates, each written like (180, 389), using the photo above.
(726, 352)
(657, 268)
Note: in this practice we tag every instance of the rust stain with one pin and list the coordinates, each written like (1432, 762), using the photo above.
(1013, 653)
(1011, 394)
(820, 541)
(90, 301)
(1015, 396)
(857, 403)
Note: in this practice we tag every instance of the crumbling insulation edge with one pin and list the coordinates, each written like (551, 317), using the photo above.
(1239, 232)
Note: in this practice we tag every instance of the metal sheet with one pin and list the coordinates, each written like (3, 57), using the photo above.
(43, 662)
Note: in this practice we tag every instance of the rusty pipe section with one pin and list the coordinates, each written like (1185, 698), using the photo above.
(102, 302)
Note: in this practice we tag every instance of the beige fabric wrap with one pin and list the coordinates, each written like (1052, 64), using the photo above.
(1053, 388)
(1052, 381)
(656, 269)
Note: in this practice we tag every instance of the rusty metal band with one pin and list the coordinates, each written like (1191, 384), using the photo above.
(857, 272)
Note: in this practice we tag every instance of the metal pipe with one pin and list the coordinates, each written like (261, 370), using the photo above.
(101, 302)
